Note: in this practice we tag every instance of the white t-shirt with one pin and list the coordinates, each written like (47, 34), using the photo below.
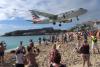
(19, 58)
(20, 47)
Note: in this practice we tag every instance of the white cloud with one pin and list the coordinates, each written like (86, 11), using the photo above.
(10, 9)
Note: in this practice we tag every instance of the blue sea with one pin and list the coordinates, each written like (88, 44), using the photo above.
(14, 41)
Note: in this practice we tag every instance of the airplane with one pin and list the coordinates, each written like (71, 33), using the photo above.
(65, 17)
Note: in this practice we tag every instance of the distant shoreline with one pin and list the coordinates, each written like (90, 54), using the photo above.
(8, 50)
(31, 32)
(24, 35)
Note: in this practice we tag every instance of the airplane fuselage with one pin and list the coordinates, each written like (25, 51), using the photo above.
(63, 17)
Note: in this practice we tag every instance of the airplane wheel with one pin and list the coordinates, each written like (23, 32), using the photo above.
(60, 25)
(54, 23)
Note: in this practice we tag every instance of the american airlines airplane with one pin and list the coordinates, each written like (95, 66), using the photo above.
(65, 17)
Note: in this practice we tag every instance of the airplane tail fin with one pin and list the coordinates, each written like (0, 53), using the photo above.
(34, 14)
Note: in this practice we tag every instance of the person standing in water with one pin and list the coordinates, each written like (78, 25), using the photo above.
(40, 40)
(31, 44)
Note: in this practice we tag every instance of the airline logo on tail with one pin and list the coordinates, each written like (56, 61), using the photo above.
(36, 19)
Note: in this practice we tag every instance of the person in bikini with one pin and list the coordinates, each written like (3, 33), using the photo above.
(31, 58)
(85, 51)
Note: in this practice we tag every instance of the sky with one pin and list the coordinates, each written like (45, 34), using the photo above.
(14, 13)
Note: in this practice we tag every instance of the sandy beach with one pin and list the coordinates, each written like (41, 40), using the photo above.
(49, 33)
(69, 57)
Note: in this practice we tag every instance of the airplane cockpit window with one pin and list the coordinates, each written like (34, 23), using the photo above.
(72, 11)
(81, 8)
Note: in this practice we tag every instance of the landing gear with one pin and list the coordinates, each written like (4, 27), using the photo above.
(60, 25)
(54, 23)
(71, 20)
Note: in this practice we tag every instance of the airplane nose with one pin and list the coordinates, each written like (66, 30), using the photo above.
(83, 10)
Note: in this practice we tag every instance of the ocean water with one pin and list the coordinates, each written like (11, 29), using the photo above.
(14, 41)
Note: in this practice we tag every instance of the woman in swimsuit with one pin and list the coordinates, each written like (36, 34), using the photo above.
(85, 53)
(31, 58)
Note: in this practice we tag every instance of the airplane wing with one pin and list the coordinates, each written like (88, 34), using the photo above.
(42, 13)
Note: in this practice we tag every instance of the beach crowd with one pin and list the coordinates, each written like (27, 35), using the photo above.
(26, 56)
